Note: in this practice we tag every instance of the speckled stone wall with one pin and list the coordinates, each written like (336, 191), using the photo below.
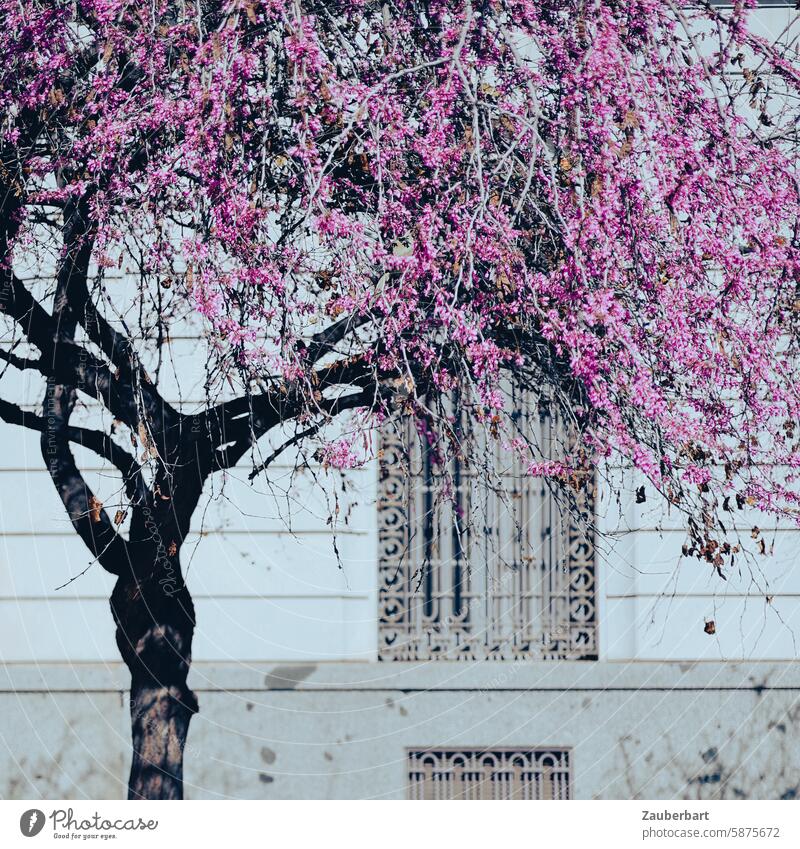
(635, 730)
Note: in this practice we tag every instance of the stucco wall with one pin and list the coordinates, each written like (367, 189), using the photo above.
(702, 730)
(268, 587)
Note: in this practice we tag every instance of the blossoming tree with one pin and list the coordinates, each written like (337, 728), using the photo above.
(373, 208)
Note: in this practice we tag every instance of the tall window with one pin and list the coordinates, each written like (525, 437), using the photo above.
(489, 774)
(497, 571)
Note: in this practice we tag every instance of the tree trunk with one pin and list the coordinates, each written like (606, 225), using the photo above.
(159, 725)
(155, 623)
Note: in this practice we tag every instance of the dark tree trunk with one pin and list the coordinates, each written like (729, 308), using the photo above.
(155, 621)
(159, 726)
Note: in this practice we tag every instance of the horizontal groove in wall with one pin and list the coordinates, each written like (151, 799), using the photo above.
(192, 538)
(720, 596)
(360, 674)
(197, 596)
(432, 690)
(244, 468)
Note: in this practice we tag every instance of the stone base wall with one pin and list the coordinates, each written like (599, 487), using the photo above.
(337, 731)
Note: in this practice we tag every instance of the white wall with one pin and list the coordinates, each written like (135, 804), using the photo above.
(261, 561)
(656, 602)
(267, 585)
(263, 592)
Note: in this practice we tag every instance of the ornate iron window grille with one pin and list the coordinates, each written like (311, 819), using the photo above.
(516, 580)
(489, 774)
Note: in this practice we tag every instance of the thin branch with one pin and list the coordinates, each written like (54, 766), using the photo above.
(298, 437)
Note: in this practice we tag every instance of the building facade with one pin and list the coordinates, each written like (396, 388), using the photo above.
(389, 654)
(369, 643)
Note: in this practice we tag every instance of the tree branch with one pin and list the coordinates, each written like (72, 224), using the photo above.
(85, 510)
(72, 364)
(22, 363)
(100, 443)
(298, 437)
(324, 341)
